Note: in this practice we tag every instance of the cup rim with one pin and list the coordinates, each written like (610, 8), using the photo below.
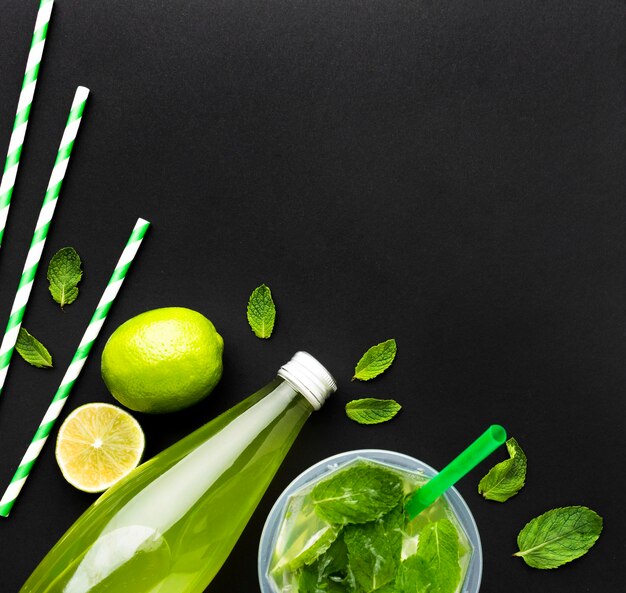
(452, 495)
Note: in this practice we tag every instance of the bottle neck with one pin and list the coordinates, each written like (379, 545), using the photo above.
(309, 378)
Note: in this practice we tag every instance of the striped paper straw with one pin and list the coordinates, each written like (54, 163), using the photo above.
(60, 397)
(41, 232)
(23, 111)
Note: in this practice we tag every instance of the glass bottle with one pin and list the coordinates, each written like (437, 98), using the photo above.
(171, 523)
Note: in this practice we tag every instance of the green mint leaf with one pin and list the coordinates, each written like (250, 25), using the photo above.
(315, 547)
(371, 410)
(261, 312)
(506, 478)
(388, 588)
(413, 575)
(558, 536)
(374, 549)
(329, 574)
(32, 350)
(334, 562)
(299, 546)
(375, 361)
(310, 581)
(64, 274)
(435, 567)
(361, 493)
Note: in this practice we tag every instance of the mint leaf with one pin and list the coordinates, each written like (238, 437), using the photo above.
(261, 312)
(558, 536)
(358, 494)
(435, 567)
(506, 478)
(371, 410)
(310, 581)
(329, 574)
(321, 542)
(303, 537)
(375, 361)
(335, 561)
(413, 575)
(32, 350)
(64, 274)
(389, 588)
(374, 549)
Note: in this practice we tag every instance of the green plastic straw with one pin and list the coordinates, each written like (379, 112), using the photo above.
(477, 452)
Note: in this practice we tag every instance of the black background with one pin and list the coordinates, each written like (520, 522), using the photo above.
(448, 173)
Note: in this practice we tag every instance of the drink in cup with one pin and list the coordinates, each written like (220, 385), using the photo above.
(342, 527)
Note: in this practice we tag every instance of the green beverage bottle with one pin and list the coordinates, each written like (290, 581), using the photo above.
(171, 523)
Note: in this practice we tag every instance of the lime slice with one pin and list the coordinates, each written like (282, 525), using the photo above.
(98, 444)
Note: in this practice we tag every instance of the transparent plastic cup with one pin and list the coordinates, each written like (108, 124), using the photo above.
(316, 472)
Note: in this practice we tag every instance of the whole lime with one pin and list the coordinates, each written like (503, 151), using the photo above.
(163, 360)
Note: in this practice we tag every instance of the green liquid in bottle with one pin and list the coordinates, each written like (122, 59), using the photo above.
(169, 526)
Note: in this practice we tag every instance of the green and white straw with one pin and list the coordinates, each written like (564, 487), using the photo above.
(24, 104)
(60, 397)
(41, 232)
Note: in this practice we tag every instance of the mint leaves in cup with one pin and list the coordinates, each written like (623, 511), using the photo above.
(349, 532)
(359, 494)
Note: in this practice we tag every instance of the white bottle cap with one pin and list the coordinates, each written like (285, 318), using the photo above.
(309, 377)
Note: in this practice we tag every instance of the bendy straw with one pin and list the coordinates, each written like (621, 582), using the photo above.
(73, 371)
(41, 232)
(478, 451)
(20, 124)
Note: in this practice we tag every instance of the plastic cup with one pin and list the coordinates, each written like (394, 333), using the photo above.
(471, 584)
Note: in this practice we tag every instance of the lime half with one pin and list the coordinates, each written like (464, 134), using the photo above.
(98, 444)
